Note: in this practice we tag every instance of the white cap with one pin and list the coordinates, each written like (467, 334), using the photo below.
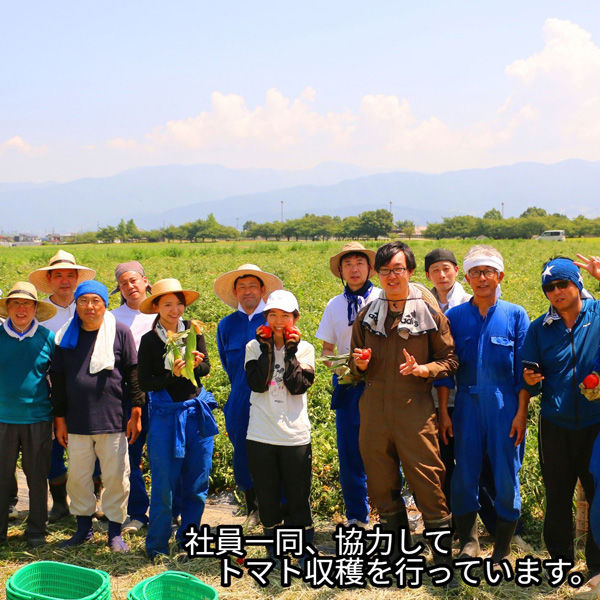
(283, 300)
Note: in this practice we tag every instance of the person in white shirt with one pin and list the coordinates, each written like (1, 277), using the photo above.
(132, 284)
(280, 367)
(354, 266)
(60, 279)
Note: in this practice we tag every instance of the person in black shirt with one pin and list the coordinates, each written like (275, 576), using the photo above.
(181, 424)
(96, 357)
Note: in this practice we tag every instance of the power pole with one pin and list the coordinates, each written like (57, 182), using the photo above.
(282, 211)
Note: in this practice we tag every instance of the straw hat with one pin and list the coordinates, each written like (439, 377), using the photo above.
(24, 289)
(166, 286)
(61, 260)
(350, 248)
(224, 284)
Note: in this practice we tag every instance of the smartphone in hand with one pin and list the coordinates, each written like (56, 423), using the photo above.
(533, 366)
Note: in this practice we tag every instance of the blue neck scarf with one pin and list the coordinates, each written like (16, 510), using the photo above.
(356, 300)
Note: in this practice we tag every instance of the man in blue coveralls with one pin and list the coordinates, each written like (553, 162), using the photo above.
(354, 266)
(564, 342)
(244, 290)
(490, 414)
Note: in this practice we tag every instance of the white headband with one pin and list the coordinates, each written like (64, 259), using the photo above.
(483, 260)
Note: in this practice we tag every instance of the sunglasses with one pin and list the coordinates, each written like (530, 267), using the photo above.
(562, 284)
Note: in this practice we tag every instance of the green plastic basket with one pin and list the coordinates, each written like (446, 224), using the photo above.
(172, 585)
(48, 580)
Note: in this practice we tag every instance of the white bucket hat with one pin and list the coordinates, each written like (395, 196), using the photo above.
(282, 300)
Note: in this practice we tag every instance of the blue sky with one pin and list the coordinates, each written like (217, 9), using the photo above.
(90, 89)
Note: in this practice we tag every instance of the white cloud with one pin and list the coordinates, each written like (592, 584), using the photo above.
(550, 112)
(19, 145)
(569, 55)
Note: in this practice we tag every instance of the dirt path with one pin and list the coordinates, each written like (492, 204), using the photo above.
(220, 509)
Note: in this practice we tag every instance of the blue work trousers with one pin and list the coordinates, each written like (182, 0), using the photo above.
(237, 415)
(137, 507)
(193, 469)
(353, 479)
(481, 424)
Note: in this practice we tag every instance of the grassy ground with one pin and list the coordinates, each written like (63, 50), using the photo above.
(304, 269)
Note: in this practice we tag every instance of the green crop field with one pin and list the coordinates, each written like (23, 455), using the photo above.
(304, 268)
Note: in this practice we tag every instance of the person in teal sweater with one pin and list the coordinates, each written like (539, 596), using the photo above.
(26, 348)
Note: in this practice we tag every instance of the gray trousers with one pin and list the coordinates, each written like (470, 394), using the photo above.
(35, 441)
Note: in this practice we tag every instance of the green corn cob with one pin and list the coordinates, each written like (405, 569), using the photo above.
(190, 346)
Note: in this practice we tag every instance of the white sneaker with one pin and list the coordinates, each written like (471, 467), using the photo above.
(357, 523)
(521, 544)
(132, 526)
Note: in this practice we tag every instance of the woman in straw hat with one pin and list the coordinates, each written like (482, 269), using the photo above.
(181, 424)
(25, 409)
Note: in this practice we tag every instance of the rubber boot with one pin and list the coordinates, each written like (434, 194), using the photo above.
(269, 533)
(309, 538)
(250, 496)
(395, 522)
(445, 544)
(466, 527)
(58, 491)
(504, 533)
(252, 518)
(83, 534)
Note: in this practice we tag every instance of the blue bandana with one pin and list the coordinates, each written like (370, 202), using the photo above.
(71, 336)
(562, 269)
(356, 300)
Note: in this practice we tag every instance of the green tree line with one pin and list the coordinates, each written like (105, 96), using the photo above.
(367, 225)
(531, 222)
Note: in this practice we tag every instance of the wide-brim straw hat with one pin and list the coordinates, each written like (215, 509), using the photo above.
(166, 286)
(224, 284)
(27, 291)
(350, 248)
(61, 260)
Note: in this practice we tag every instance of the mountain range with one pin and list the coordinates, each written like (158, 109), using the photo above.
(173, 194)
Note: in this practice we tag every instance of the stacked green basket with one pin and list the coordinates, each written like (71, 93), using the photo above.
(47, 580)
(172, 585)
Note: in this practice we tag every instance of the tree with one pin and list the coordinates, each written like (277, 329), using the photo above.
(493, 213)
(406, 227)
(533, 211)
(122, 230)
(107, 234)
(376, 222)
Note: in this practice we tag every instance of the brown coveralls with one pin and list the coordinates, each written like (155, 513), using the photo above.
(397, 417)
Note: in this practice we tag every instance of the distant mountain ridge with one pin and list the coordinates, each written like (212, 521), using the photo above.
(159, 196)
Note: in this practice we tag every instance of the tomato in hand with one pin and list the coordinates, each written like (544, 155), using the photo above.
(365, 354)
(591, 381)
(265, 332)
(290, 330)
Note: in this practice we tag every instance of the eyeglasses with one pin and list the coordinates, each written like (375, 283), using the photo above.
(95, 302)
(385, 272)
(477, 273)
(561, 284)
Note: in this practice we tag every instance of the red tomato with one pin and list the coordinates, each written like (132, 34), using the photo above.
(365, 354)
(290, 330)
(265, 332)
(591, 381)
(239, 560)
